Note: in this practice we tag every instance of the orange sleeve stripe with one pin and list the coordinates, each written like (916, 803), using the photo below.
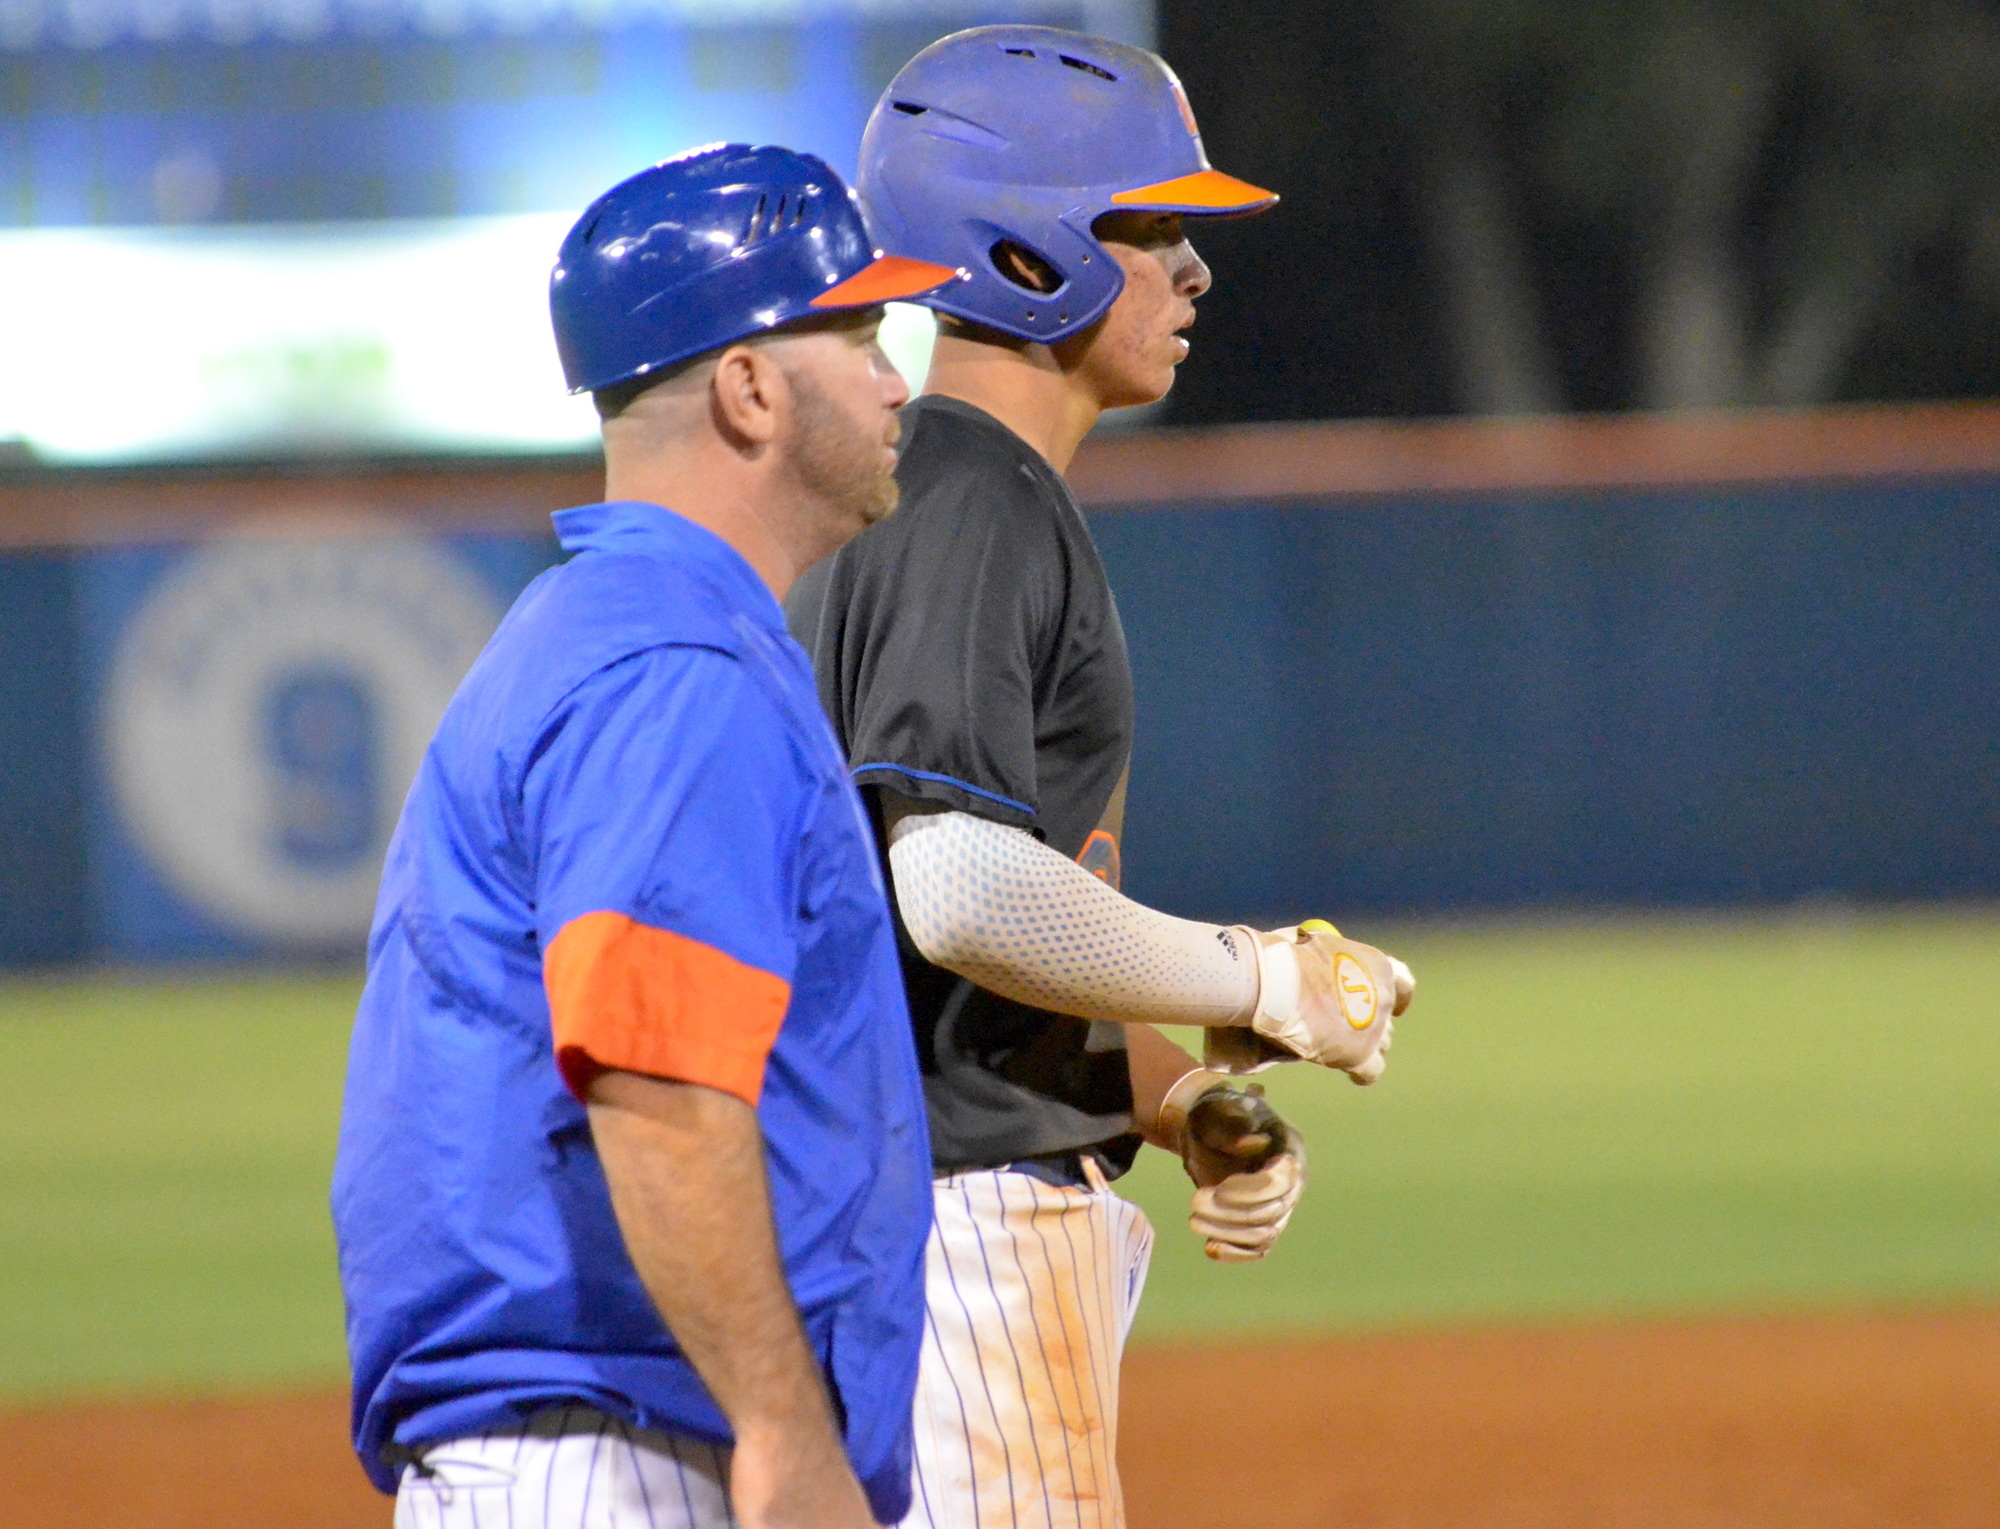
(626, 996)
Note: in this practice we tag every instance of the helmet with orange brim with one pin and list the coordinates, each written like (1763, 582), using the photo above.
(710, 247)
(996, 149)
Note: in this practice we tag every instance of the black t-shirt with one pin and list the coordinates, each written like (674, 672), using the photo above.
(969, 653)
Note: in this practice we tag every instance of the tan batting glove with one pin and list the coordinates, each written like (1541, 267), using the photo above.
(1320, 997)
(1248, 1165)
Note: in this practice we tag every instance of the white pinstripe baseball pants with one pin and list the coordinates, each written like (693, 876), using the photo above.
(570, 1468)
(1030, 1291)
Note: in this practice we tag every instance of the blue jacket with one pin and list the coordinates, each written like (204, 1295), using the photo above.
(633, 843)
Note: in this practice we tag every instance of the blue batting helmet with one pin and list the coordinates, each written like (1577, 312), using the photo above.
(995, 148)
(710, 247)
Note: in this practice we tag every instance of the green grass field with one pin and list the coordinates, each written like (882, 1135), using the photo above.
(1583, 1118)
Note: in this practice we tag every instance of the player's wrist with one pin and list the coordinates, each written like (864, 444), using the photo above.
(1274, 974)
(787, 1410)
(1180, 1100)
(1277, 1000)
(1251, 1042)
(798, 1448)
(781, 1481)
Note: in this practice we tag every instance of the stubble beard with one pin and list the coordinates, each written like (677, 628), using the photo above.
(837, 464)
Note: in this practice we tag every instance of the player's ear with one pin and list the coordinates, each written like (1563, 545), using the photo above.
(747, 395)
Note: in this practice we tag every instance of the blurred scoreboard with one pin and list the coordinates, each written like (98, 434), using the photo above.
(188, 111)
(303, 226)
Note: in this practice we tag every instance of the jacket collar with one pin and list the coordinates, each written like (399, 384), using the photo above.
(636, 528)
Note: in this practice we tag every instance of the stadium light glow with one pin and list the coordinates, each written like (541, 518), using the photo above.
(163, 344)
(907, 336)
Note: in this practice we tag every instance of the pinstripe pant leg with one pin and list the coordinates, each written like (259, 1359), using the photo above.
(1030, 1290)
(602, 1476)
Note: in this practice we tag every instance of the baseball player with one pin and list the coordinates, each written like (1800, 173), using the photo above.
(971, 657)
(632, 1186)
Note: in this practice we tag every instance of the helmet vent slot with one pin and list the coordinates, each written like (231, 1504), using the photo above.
(943, 124)
(909, 108)
(1087, 67)
(770, 217)
(1019, 52)
(1024, 268)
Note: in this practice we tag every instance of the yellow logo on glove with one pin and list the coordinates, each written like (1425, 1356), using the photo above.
(1356, 989)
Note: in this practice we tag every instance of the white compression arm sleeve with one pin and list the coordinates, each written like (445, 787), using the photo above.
(1000, 908)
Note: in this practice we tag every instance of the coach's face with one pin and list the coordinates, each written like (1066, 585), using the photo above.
(1132, 351)
(839, 441)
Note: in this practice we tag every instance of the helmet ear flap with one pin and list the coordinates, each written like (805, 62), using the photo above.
(1025, 268)
(1038, 282)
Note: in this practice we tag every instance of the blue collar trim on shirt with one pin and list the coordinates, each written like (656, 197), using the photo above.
(635, 527)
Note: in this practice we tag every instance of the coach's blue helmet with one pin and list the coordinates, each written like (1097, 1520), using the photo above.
(1006, 139)
(710, 247)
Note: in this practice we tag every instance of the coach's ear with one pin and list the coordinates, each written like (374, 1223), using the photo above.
(749, 395)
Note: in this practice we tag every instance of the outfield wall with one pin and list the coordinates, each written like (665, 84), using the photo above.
(1417, 668)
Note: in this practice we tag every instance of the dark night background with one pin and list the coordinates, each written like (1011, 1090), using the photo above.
(1288, 97)
(1536, 207)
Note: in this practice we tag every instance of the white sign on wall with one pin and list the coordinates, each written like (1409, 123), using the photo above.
(266, 709)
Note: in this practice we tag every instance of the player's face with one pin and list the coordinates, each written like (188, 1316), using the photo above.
(841, 447)
(1131, 353)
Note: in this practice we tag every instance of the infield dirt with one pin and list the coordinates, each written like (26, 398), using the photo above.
(1835, 1422)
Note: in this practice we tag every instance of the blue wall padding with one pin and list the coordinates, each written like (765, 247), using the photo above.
(1687, 697)
(1674, 698)
(43, 901)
